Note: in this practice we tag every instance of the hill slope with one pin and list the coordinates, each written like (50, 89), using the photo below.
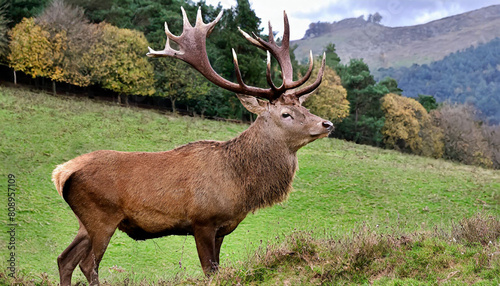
(382, 46)
(471, 76)
(339, 186)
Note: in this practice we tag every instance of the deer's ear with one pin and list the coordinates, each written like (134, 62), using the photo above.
(253, 104)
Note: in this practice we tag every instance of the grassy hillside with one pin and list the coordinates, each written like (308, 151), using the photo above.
(339, 187)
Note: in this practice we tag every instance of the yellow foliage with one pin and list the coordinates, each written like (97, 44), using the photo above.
(70, 64)
(408, 127)
(59, 46)
(34, 51)
(117, 60)
(329, 101)
(120, 63)
(31, 51)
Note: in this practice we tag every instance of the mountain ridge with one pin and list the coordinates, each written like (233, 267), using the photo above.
(382, 46)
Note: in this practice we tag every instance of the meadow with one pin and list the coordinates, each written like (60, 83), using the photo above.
(342, 192)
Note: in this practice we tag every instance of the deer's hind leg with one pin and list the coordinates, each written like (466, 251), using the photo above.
(73, 254)
(100, 215)
(101, 228)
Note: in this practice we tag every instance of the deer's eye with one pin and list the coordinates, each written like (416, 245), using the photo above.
(285, 115)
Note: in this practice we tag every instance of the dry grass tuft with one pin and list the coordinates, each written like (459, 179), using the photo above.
(479, 229)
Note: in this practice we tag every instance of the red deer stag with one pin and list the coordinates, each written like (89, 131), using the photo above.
(205, 188)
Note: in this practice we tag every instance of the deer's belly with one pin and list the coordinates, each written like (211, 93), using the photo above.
(142, 231)
(151, 228)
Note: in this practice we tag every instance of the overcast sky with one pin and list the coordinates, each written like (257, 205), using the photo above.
(394, 12)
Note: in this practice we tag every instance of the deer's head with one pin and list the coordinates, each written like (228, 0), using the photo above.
(279, 109)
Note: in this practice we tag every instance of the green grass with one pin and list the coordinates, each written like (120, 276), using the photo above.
(366, 256)
(339, 187)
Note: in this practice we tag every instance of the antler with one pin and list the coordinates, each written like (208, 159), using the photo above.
(192, 49)
(282, 55)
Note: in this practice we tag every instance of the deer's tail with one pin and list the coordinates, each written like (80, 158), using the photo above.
(61, 174)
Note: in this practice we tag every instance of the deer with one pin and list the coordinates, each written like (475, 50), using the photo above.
(204, 188)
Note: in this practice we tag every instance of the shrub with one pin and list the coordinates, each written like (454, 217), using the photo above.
(464, 136)
(492, 137)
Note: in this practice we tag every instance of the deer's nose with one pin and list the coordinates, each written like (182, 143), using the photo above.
(328, 125)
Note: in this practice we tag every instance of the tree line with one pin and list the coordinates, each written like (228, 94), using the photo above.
(104, 43)
(322, 28)
(380, 115)
(470, 76)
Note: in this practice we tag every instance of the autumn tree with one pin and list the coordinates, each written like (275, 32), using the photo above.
(120, 63)
(68, 24)
(464, 136)
(491, 134)
(176, 80)
(32, 51)
(149, 16)
(329, 101)
(408, 127)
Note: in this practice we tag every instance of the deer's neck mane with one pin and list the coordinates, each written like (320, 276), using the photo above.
(263, 164)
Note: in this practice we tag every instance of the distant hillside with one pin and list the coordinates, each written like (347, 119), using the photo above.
(469, 76)
(382, 46)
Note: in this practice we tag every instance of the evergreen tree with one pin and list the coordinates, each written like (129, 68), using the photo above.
(332, 58)
(391, 84)
(16, 10)
(376, 18)
(4, 39)
(250, 58)
(427, 101)
(366, 119)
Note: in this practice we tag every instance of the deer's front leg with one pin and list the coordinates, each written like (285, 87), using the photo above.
(205, 244)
